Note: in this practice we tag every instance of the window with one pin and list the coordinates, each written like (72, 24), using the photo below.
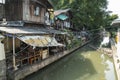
(37, 11)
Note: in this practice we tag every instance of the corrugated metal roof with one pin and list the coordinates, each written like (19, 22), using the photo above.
(29, 30)
(57, 12)
(116, 22)
(20, 30)
(40, 41)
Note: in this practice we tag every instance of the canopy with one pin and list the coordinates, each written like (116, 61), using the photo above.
(40, 41)
(62, 17)
(29, 30)
(58, 12)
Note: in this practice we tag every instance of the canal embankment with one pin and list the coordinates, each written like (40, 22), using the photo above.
(115, 59)
(106, 51)
(83, 64)
(111, 53)
(27, 70)
(2, 70)
(2, 60)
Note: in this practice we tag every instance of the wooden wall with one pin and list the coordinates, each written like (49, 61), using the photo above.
(1, 12)
(13, 10)
(29, 12)
(16, 10)
(8, 43)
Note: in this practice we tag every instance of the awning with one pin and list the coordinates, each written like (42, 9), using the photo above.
(117, 21)
(40, 41)
(62, 17)
(58, 12)
(29, 30)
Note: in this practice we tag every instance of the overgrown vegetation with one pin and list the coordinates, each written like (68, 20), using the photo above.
(91, 14)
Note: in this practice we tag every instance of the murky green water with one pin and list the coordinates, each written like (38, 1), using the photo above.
(84, 64)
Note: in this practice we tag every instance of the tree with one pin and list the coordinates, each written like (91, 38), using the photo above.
(91, 14)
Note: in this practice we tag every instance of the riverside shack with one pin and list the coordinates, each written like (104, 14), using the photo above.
(26, 41)
(63, 19)
(25, 47)
(27, 12)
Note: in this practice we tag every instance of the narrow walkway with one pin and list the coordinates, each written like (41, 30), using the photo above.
(115, 59)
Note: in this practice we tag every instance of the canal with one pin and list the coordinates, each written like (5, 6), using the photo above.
(84, 64)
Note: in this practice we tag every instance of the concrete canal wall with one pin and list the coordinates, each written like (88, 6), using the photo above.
(115, 59)
(2, 70)
(25, 71)
(2, 61)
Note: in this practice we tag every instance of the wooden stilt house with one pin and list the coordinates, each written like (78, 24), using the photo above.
(63, 19)
(27, 12)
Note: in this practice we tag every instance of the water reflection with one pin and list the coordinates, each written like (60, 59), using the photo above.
(85, 64)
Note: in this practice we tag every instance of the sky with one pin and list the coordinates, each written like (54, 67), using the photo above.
(114, 5)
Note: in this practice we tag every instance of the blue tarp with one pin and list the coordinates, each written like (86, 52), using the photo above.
(62, 17)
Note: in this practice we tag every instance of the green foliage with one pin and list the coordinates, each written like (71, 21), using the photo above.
(62, 4)
(89, 13)
(74, 43)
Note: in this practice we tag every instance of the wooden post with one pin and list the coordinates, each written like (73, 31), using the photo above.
(28, 57)
(34, 56)
(7, 44)
(14, 63)
(41, 52)
(48, 50)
